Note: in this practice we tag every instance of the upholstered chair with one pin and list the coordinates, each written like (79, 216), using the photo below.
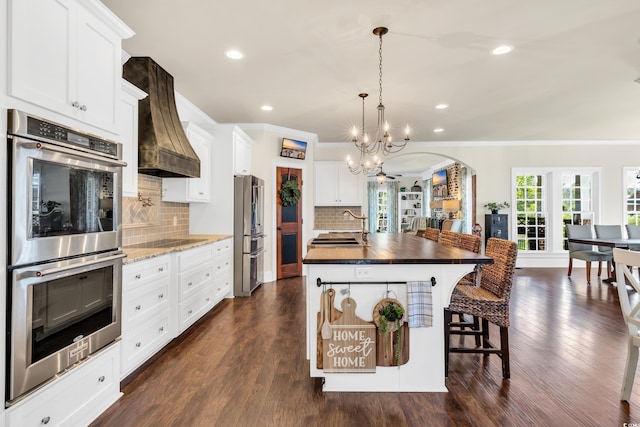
(584, 252)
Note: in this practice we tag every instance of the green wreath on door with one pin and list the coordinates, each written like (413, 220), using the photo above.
(289, 192)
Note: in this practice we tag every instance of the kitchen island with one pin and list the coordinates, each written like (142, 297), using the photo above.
(367, 274)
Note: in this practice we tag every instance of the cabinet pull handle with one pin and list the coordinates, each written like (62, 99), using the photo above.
(138, 344)
(101, 379)
(190, 311)
(45, 420)
(138, 276)
(161, 328)
(75, 104)
(161, 269)
(189, 284)
(138, 307)
(207, 275)
(83, 108)
(208, 299)
(161, 296)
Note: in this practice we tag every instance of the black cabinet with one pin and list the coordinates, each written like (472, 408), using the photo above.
(496, 225)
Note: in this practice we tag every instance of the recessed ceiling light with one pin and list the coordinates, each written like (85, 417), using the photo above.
(438, 130)
(234, 54)
(266, 108)
(441, 106)
(501, 50)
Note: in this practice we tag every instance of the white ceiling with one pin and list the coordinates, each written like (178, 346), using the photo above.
(570, 77)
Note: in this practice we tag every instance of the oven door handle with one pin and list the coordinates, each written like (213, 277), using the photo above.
(55, 270)
(55, 148)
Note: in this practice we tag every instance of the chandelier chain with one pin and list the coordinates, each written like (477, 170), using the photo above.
(380, 70)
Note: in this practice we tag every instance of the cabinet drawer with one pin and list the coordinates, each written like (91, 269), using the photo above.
(140, 272)
(222, 248)
(76, 398)
(221, 265)
(221, 288)
(195, 308)
(190, 283)
(145, 341)
(143, 301)
(193, 257)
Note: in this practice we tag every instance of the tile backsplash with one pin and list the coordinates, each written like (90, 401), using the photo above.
(146, 223)
(331, 218)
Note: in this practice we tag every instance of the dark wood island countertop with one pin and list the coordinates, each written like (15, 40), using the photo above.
(393, 248)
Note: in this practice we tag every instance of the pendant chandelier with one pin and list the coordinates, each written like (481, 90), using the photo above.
(382, 144)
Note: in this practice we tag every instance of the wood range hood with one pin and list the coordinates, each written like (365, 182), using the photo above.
(163, 147)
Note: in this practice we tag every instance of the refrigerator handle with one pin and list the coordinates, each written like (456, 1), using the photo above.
(257, 254)
(258, 237)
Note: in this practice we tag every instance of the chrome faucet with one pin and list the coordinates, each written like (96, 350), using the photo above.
(365, 232)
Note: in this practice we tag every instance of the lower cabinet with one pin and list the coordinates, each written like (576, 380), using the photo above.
(146, 310)
(76, 398)
(165, 295)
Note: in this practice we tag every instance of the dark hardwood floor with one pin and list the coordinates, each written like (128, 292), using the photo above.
(244, 365)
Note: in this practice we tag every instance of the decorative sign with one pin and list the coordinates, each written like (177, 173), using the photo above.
(352, 346)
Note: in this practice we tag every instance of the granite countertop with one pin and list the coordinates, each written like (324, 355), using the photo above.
(393, 248)
(162, 247)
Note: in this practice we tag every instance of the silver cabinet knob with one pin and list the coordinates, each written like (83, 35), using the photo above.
(74, 104)
(83, 108)
(45, 420)
(138, 307)
(161, 296)
(101, 379)
(138, 344)
(161, 328)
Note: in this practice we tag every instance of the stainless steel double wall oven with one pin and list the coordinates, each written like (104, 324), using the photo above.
(65, 266)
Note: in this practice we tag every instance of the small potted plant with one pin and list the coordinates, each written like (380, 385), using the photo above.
(495, 207)
(389, 317)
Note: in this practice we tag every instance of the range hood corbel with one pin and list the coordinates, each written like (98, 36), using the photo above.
(163, 147)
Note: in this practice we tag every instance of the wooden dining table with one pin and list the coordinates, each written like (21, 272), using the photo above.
(612, 243)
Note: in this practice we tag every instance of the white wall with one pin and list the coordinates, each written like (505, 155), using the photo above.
(265, 159)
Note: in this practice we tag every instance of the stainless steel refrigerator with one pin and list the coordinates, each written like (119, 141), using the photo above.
(248, 234)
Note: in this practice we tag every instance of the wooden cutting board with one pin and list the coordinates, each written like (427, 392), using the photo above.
(352, 347)
(335, 314)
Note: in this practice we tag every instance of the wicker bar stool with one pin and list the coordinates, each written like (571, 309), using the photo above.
(489, 302)
(432, 234)
(449, 238)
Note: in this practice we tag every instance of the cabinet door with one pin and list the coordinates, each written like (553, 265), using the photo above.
(199, 187)
(326, 181)
(98, 72)
(350, 187)
(128, 130)
(40, 45)
(241, 156)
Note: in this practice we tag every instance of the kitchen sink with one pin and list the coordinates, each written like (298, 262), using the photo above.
(340, 241)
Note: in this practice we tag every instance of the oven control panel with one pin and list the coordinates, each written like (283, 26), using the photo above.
(42, 129)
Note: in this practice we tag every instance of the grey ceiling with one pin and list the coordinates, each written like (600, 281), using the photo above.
(571, 75)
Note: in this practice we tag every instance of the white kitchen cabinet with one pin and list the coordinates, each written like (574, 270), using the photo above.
(204, 278)
(128, 130)
(65, 57)
(242, 147)
(186, 190)
(335, 185)
(146, 310)
(76, 398)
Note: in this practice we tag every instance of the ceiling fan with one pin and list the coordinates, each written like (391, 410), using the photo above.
(381, 176)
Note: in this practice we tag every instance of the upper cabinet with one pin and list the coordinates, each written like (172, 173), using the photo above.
(242, 145)
(335, 185)
(64, 56)
(192, 189)
(128, 136)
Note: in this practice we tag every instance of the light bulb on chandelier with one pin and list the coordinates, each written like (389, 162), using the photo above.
(382, 142)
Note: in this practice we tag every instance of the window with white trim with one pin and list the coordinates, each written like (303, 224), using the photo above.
(382, 219)
(632, 195)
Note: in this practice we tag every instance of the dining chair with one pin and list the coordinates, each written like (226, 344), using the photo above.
(489, 302)
(432, 234)
(608, 232)
(584, 252)
(633, 232)
(626, 259)
(449, 238)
